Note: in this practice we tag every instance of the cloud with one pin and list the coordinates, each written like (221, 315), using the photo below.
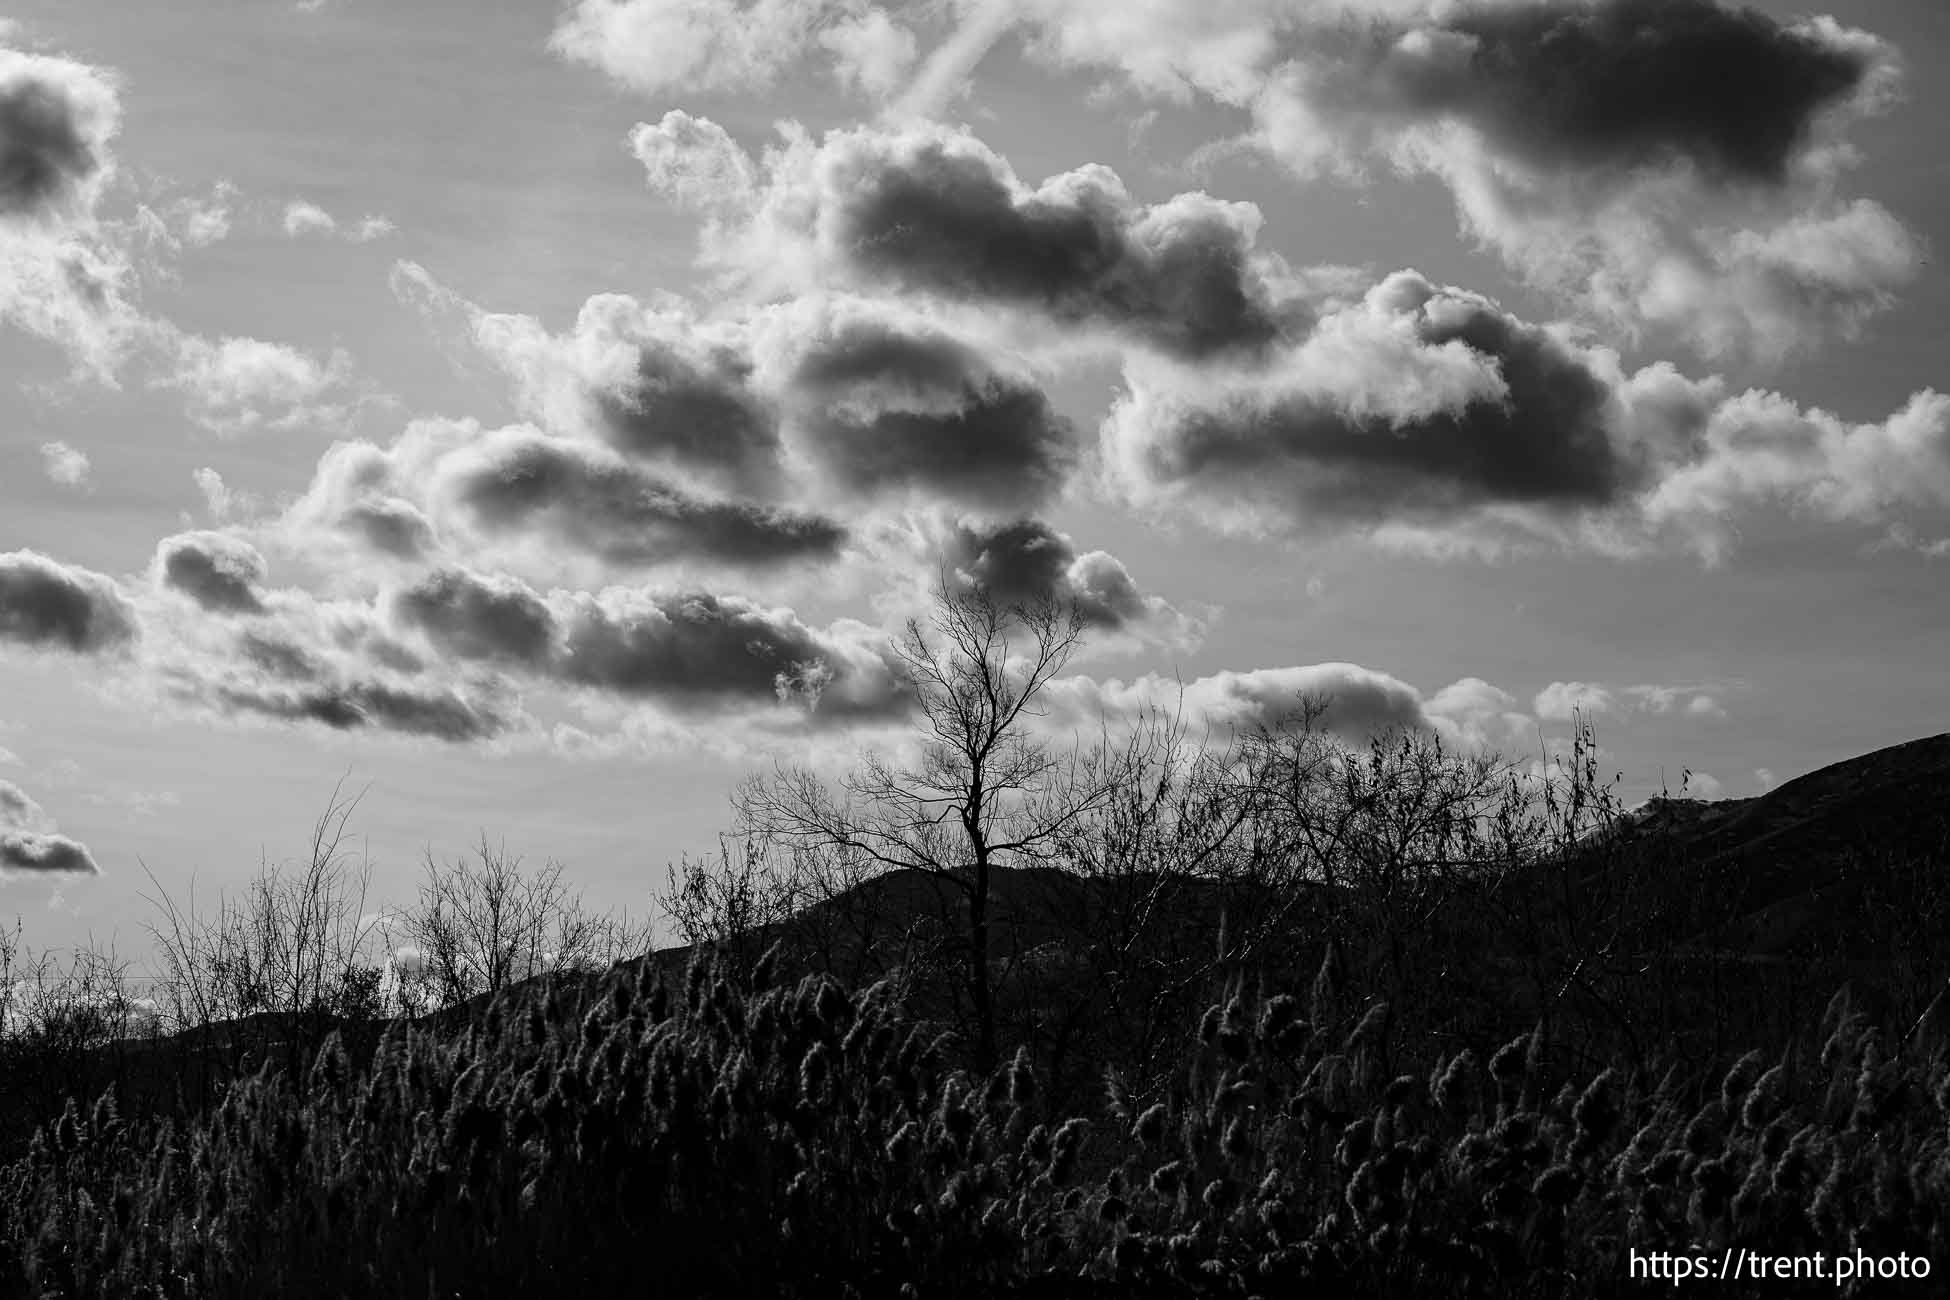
(1028, 561)
(303, 218)
(655, 382)
(205, 221)
(696, 162)
(221, 573)
(439, 713)
(243, 385)
(871, 51)
(1359, 701)
(1418, 403)
(1671, 164)
(886, 403)
(195, 221)
(660, 47)
(1561, 701)
(48, 605)
(1759, 447)
(874, 401)
(537, 502)
(1430, 416)
(65, 465)
(56, 119)
(33, 854)
(929, 211)
(361, 493)
(690, 651)
(1702, 785)
(307, 661)
(63, 277)
(480, 617)
(588, 498)
(1617, 86)
(218, 497)
(946, 73)
(30, 844)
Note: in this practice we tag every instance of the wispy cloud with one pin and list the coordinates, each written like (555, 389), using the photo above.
(66, 465)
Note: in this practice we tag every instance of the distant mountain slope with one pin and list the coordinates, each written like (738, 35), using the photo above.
(1831, 860)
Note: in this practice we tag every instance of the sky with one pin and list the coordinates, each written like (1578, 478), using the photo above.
(538, 416)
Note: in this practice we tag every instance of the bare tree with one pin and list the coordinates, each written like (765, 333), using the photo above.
(64, 1025)
(482, 925)
(985, 790)
(286, 960)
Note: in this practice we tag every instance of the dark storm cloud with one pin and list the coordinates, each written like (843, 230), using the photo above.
(479, 618)
(1547, 442)
(220, 573)
(49, 605)
(1620, 83)
(33, 853)
(940, 213)
(691, 406)
(891, 406)
(1028, 561)
(528, 482)
(55, 117)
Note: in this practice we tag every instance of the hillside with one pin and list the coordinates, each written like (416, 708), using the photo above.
(1844, 859)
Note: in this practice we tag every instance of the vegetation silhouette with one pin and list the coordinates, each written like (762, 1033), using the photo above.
(1158, 1015)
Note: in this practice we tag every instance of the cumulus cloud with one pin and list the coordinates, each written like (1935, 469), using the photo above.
(1417, 403)
(358, 493)
(695, 162)
(929, 211)
(883, 402)
(654, 381)
(45, 604)
(66, 465)
(537, 502)
(1616, 86)
(1422, 414)
(56, 119)
(867, 399)
(438, 713)
(587, 497)
(1561, 701)
(61, 277)
(1759, 447)
(1671, 163)
(1028, 561)
(871, 51)
(243, 385)
(30, 844)
(220, 573)
(688, 651)
(306, 661)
